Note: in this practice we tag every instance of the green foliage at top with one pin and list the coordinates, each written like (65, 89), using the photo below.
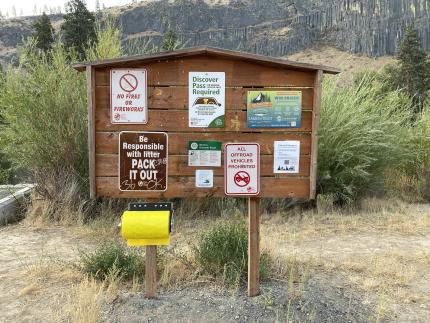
(108, 42)
(43, 33)
(412, 73)
(416, 170)
(78, 29)
(363, 134)
(170, 41)
(4, 163)
(112, 257)
(43, 103)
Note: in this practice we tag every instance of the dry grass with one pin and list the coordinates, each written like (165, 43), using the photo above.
(373, 215)
(88, 296)
(176, 269)
(82, 298)
(379, 249)
(29, 289)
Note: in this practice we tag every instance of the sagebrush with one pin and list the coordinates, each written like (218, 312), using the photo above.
(112, 257)
(222, 251)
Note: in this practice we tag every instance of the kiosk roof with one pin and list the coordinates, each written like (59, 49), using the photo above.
(209, 51)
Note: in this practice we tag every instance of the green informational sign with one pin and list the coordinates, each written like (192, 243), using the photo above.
(204, 145)
(274, 109)
(204, 153)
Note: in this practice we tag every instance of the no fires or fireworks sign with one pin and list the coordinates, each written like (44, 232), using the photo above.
(128, 96)
(242, 169)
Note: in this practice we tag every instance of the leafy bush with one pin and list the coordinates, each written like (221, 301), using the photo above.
(110, 257)
(411, 181)
(222, 251)
(44, 114)
(363, 133)
(43, 102)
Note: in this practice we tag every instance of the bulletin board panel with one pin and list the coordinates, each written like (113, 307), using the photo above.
(168, 112)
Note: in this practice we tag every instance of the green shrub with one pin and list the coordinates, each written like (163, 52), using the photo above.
(43, 102)
(411, 181)
(363, 133)
(43, 116)
(222, 251)
(110, 257)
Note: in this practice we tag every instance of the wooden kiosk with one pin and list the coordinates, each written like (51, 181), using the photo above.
(168, 104)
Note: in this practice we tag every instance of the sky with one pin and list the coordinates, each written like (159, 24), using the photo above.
(26, 7)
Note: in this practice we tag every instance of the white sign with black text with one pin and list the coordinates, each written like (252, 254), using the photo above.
(286, 157)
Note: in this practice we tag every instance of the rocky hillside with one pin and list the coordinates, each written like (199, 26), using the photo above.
(270, 27)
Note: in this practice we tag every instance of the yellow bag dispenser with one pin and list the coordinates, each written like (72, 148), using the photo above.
(147, 224)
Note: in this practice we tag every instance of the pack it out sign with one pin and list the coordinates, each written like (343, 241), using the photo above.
(143, 161)
(242, 169)
(128, 96)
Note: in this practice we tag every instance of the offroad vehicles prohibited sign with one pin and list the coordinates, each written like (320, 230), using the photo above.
(242, 169)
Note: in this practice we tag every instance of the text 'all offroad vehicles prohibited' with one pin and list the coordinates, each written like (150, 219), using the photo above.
(242, 169)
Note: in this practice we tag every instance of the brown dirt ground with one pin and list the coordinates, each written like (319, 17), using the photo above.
(371, 266)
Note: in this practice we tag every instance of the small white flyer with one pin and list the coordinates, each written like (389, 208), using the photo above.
(204, 178)
(206, 99)
(286, 157)
(204, 153)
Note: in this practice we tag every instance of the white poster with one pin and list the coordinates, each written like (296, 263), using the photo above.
(128, 96)
(206, 99)
(204, 178)
(286, 157)
(204, 153)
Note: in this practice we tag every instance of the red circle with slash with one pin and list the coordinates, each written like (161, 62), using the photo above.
(128, 82)
(242, 178)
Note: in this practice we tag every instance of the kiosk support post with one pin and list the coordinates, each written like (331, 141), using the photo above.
(151, 271)
(254, 246)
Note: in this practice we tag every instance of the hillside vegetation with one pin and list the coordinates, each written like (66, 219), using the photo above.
(269, 27)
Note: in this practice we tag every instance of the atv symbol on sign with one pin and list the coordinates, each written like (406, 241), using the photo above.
(241, 178)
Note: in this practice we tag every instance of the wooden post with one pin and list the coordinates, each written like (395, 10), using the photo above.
(315, 129)
(151, 271)
(91, 98)
(254, 246)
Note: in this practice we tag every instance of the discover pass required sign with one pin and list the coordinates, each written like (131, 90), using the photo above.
(242, 169)
(128, 96)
